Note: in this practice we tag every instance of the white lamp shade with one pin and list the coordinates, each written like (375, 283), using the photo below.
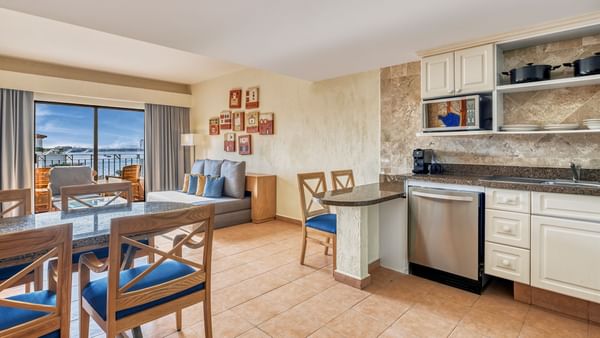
(188, 139)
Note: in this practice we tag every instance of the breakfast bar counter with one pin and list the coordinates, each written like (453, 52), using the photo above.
(371, 230)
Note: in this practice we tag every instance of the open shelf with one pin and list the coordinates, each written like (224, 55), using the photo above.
(550, 84)
(576, 131)
(490, 132)
(456, 133)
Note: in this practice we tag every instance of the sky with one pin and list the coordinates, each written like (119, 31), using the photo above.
(68, 125)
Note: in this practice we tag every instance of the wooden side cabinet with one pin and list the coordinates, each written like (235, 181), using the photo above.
(264, 196)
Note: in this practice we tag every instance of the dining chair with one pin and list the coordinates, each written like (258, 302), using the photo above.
(18, 203)
(131, 173)
(42, 194)
(127, 299)
(43, 313)
(342, 179)
(81, 194)
(316, 218)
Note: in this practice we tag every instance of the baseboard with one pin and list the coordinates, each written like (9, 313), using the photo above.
(374, 265)
(351, 281)
(288, 219)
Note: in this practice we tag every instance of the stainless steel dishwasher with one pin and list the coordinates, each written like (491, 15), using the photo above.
(446, 236)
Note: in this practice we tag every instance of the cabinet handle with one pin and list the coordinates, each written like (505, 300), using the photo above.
(505, 200)
(505, 262)
(506, 228)
(458, 90)
(450, 91)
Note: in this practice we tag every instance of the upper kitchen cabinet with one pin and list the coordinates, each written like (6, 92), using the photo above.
(437, 76)
(474, 70)
(465, 71)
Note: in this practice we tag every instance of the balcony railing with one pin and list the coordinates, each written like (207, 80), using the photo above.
(108, 164)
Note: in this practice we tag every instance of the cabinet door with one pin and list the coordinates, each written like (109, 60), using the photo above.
(437, 76)
(474, 70)
(564, 257)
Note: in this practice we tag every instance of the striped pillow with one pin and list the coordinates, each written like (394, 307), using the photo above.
(201, 184)
(186, 183)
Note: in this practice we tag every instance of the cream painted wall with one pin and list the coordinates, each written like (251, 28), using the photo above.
(319, 126)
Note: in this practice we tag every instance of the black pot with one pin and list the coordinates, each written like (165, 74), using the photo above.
(530, 73)
(585, 66)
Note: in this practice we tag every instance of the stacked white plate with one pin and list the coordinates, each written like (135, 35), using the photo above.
(520, 127)
(562, 126)
(592, 123)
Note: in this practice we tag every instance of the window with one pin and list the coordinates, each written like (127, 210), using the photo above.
(105, 139)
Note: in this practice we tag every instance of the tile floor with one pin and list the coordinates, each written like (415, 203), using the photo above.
(260, 290)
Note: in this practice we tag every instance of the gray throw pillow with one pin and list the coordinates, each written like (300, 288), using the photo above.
(235, 178)
(212, 167)
(198, 167)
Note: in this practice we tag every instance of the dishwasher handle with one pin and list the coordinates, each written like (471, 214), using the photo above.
(443, 197)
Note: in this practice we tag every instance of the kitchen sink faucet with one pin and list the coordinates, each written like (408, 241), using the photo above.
(576, 170)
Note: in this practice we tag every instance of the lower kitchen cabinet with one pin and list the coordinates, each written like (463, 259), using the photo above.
(507, 262)
(565, 256)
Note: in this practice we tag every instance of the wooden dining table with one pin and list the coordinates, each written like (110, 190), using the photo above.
(91, 227)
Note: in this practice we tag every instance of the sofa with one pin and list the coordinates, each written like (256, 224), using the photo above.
(231, 209)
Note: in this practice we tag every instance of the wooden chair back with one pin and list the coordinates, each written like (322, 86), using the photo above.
(342, 179)
(18, 202)
(131, 173)
(42, 178)
(46, 243)
(79, 192)
(123, 230)
(310, 184)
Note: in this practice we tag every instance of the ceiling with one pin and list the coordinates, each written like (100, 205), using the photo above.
(308, 39)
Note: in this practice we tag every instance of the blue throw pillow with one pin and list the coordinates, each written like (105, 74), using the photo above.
(214, 186)
(193, 186)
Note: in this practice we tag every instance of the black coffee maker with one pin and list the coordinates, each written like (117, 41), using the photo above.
(422, 160)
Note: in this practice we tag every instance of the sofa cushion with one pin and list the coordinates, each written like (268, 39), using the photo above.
(222, 205)
(198, 167)
(12, 317)
(212, 167)
(65, 176)
(186, 183)
(201, 185)
(95, 291)
(193, 185)
(235, 178)
(214, 187)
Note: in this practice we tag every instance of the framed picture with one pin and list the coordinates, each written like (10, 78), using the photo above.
(245, 144)
(239, 120)
(266, 124)
(252, 96)
(229, 142)
(235, 98)
(213, 126)
(252, 122)
(225, 119)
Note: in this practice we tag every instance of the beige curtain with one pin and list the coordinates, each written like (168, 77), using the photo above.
(166, 161)
(16, 139)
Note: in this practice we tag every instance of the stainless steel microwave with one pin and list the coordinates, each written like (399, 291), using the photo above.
(472, 112)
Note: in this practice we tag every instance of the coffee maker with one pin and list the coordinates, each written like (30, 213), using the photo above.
(422, 160)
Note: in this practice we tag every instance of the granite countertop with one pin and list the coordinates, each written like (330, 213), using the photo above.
(480, 180)
(362, 195)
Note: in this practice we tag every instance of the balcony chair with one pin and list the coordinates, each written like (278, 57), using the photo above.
(127, 299)
(65, 176)
(131, 173)
(18, 203)
(44, 313)
(316, 219)
(43, 197)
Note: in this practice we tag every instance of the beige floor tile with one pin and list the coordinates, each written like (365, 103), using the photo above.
(226, 324)
(254, 333)
(318, 280)
(420, 323)
(594, 331)
(543, 323)
(325, 332)
(463, 332)
(383, 308)
(296, 322)
(355, 324)
(491, 325)
(292, 271)
(498, 304)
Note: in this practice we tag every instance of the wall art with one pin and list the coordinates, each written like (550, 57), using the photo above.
(229, 142)
(225, 119)
(252, 98)
(213, 126)
(235, 98)
(239, 121)
(266, 124)
(252, 121)
(245, 144)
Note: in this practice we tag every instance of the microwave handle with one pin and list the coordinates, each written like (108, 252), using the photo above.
(443, 197)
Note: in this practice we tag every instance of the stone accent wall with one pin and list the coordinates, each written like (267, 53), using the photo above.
(401, 116)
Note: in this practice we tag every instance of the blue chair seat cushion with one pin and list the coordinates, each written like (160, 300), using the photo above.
(12, 317)
(95, 292)
(325, 222)
(6, 273)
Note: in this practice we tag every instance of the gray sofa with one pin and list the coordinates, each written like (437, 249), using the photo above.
(231, 209)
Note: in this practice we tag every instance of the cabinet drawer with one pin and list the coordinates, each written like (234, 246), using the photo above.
(509, 200)
(505, 227)
(566, 206)
(507, 262)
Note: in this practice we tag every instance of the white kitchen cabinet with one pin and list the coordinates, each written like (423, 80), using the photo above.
(508, 200)
(564, 256)
(510, 228)
(586, 208)
(461, 72)
(474, 70)
(507, 262)
(437, 76)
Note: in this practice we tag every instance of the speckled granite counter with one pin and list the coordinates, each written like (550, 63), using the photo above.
(362, 195)
(476, 175)
(91, 227)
